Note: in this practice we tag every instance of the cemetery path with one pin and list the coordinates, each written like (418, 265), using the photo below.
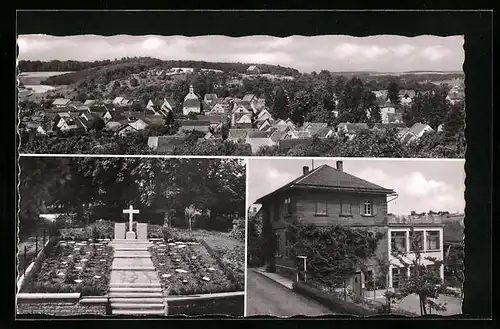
(135, 288)
(265, 297)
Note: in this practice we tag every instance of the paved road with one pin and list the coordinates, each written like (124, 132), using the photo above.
(265, 297)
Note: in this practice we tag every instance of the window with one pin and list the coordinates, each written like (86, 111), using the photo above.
(367, 208)
(288, 210)
(369, 280)
(398, 241)
(433, 242)
(345, 207)
(399, 274)
(320, 207)
(278, 246)
(416, 240)
(287, 248)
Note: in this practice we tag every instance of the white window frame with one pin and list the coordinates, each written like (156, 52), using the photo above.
(438, 240)
(326, 208)
(368, 205)
(404, 244)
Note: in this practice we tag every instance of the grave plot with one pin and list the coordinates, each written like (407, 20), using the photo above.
(187, 268)
(74, 267)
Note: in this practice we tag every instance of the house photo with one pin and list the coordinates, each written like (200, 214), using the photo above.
(354, 229)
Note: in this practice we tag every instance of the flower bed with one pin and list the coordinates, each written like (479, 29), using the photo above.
(74, 267)
(199, 271)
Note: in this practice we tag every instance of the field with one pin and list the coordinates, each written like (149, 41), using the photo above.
(72, 266)
(34, 78)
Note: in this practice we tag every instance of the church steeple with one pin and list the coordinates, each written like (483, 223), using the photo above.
(191, 90)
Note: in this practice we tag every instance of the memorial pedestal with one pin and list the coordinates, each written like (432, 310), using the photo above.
(130, 235)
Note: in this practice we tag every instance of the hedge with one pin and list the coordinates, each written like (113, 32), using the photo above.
(331, 302)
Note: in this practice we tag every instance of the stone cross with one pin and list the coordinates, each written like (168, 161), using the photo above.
(130, 211)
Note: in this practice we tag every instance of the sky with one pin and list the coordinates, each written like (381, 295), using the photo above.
(336, 53)
(421, 185)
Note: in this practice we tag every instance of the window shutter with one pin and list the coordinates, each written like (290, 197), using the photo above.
(374, 208)
(361, 206)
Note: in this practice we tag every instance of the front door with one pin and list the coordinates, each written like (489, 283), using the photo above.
(357, 287)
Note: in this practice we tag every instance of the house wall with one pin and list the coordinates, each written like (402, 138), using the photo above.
(303, 208)
(186, 110)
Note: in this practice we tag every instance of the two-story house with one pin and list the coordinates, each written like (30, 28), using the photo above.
(329, 196)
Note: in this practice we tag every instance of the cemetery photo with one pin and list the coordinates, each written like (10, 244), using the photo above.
(257, 95)
(355, 236)
(130, 236)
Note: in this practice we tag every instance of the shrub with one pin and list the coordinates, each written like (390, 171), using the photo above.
(239, 229)
(102, 229)
(76, 234)
(271, 267)
(166, 232)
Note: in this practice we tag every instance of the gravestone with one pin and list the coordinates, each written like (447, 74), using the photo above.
(120, 231)
(142, 231)
(130, 211)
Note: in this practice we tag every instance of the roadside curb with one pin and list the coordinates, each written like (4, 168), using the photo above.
(262, 273)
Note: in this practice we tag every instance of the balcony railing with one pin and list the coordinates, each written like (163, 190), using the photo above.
(414, 219)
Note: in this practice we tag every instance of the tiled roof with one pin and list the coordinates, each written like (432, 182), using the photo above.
(238, 133)
(243, 125)
(417, 128)
(61, 102)
(248, 97)
(327, 177)
(213, 119)
(258, 134)
(211, 96)
(194, 122)
(191, 103)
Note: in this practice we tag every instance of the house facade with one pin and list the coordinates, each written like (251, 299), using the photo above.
(328, 196)
(191, 103)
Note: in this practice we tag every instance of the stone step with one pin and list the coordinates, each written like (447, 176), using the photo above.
(135, 295)
(135, 289)
(138, 312)
(131, 249)
(133, 268)
(145, 300)
(135, 285)
(137, 305)
(130, 241)
(132, 255)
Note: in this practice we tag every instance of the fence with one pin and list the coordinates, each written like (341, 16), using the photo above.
(30, 249)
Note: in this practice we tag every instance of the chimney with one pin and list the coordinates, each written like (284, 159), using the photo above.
(340, 165)
(305, 170)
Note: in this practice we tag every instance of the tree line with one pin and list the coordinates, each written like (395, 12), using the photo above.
(97, 188)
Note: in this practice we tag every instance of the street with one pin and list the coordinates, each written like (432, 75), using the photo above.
(265, 297)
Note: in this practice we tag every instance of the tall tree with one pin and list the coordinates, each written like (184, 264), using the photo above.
(280, 104)
(393, 93)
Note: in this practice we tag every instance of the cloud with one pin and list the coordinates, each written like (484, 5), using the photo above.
(417, 192)
(435, 53)
(384, 53)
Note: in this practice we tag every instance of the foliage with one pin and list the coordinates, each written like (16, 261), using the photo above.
(238, 231)
(190, 213)
(333, 252)
(254, 251)
(166, 233)
(393, 93)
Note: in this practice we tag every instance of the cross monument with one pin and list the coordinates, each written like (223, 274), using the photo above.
(130, 211)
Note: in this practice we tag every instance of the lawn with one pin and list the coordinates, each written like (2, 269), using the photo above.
(187, 268)
(73, 266)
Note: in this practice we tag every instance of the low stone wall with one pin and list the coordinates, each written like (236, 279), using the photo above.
(26, 308)
(208, 304)
(61, 304)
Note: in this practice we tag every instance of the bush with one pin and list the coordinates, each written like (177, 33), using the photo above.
(271, 267)
(239, 229)
(166, 232)
(102, 229)
(76, 234)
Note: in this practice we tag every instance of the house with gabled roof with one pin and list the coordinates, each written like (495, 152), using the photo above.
(415, 132)
(258, 139)
(238, 112)
(191, 103)
(89, 102)
(264, 115)
(61, 102)
(253, 69)
(167, 105)
(190, 125)
(264, 125)
(219, 108)
(236, 135)
(210, 99)
(216, 121)
(327, 196)
(351, 129)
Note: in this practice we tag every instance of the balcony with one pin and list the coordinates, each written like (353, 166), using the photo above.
(414, 219)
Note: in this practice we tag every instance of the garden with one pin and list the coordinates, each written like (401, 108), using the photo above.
(200, 262)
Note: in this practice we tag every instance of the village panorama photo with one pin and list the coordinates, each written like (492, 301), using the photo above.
(327, 96)
(355, 236)
(116, 236)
